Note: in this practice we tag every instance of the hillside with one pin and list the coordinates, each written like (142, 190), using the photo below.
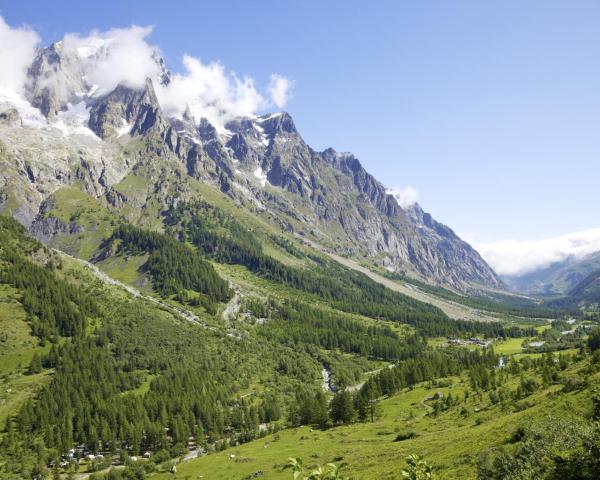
(558, 278)
(454, 434)
(247, 347)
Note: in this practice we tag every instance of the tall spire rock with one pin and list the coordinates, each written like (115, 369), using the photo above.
(126, 110)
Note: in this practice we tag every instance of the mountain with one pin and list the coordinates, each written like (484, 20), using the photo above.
(558, 278)
(67, 134)
(172, 287)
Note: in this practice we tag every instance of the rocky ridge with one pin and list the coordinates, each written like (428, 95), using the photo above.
(94, 141)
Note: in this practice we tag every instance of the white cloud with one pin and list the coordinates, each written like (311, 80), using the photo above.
(17, 48)
(280, 90)
(125, 56)
(406, 197)
(211, 92)
(518, 257)
(119, 55)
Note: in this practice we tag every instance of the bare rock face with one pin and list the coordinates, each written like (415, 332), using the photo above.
(331, 195)
(57, 80)
(136, 111)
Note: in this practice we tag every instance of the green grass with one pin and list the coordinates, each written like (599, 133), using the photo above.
(452, 442)
(144, 386)
(510, 346)
(17, 347)
(125, 269)
(73, 205)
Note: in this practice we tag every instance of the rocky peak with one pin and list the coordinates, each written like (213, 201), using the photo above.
(186, 124)
(56, 80)
(278, 123)
(164, 76)
(206, 131)
(126, 110)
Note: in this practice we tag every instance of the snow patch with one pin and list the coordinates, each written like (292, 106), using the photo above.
(74, 120)
(269, 117)
(31, 116)
(125, 128)
(262, 176)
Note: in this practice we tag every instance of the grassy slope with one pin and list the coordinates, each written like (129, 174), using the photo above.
(451, 441)
(17, 347)
(72, 205)
(448, 441)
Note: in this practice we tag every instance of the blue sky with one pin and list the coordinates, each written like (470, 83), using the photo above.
(490, 110)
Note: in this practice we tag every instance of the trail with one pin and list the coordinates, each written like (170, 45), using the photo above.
(104, 278)
(428, 408)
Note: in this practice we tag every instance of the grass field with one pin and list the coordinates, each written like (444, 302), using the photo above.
(72, 205)
(126, 269)
(452, 441)
(510, 346)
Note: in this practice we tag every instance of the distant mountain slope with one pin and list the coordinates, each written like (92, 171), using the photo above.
(558, 278)
(584, 295)
(588, 290)
(74, 137)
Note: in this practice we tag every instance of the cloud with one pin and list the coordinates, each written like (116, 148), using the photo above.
(17, 48)
(119, 55)
(516, 257)
(280, 90)
(209, 89)
(125, 56)
(406, 197)
(211, 92)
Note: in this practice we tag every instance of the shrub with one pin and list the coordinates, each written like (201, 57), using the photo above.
(405, 436)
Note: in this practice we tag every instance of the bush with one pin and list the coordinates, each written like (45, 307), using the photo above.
(572, 383)
(405, 436)
(160, 456)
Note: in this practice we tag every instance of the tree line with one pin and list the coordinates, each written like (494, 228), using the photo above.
(174, 267)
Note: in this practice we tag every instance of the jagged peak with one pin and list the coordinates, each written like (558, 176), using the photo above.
(277, 123)
(188, 116)
(206, 130)
(135, 110)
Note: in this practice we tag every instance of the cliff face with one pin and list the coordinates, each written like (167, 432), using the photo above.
(93, 142)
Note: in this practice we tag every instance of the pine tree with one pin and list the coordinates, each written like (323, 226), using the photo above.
(341, 408)
(36, 365)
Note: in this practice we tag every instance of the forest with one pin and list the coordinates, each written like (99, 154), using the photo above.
(160, 386)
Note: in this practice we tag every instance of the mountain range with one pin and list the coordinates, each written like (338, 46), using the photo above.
(558, 278)
(189, 290)
(121, 148)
